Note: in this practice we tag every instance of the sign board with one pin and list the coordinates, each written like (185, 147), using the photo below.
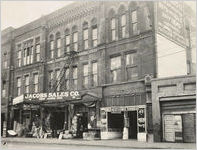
(51, 96)
(170, 20)
(141, 119)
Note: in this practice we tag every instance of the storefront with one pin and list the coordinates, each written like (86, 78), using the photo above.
(124, 122)
(70, 113)
(174, 109)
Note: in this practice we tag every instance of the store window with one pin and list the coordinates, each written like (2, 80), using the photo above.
(58, 44)
(131, 66)
(57, 73)
(75, 78)
(18, 86)
(123, 26)
(67, 40)
(51, 54)
(85, 76)
(113, 29)
(134, 21)
(94, 74)
(26, 83)
(35, 82)
(19, 56)
(115, 69)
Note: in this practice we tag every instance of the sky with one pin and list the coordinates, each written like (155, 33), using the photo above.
(18, 13)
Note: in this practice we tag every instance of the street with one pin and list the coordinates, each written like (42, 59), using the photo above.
(38, 146)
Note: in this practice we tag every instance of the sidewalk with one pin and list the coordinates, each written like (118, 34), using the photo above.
(104, 143)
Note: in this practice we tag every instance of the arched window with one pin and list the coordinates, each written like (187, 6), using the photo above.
(58, 44)
(112, 25)
(51, 53)
(85, 35)
(67, 40)
(133, 18)
(122, 21)
(75, 38)
(94, 32)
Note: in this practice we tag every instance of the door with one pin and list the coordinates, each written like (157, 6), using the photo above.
(168, 123)
(132, 115)
(189, 127)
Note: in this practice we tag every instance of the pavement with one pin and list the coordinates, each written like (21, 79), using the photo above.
(119, 143)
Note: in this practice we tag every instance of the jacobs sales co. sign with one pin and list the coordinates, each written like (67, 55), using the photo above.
(69, 95)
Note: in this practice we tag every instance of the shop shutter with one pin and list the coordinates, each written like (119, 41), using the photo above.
(189, 128)
(169, 135)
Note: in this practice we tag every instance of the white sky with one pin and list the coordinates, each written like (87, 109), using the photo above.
(18, 13)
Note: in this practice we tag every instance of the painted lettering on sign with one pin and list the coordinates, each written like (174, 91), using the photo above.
(55, 95)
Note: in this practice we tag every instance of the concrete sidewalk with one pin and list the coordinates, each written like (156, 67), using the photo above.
(104, 143)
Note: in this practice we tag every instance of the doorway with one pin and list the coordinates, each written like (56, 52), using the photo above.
(132, 115)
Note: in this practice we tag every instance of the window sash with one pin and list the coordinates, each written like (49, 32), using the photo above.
(85, 70)
(134, 28)
(113, 23)
(134, 16)
(94, 33)
(51, 45)
(123, 20)
(58, 43)
(123, 31)
(67, 39)
(113, 34)
(115, 62)
(75, 37)
(85, 81)
(115, 75)
(131, 59)
(132, 73)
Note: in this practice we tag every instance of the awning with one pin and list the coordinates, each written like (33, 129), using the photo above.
(18, 99)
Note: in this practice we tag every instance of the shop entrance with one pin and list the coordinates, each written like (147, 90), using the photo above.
(132, 115)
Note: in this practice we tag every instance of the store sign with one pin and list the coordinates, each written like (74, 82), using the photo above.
(170, 20)
(52, 96)
(141, 119)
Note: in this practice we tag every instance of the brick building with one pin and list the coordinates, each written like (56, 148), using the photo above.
(93, 60)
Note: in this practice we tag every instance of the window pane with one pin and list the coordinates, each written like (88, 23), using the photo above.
(75, 37)
(134, 16)
(115, 62)
(131, 59)
(94, 33)
(123, 20)
(113, 35)
(38, 48)
(135, 28)
(52, 45)
(75, 46)
(85, 34)
(132, 73)
(19, 54)
(35, 78)
(85, 70)
(95, 80)
(67, 40)
(85, 44)
(58, 43)
(94, 68)
(74, 73)
(113, 23)
(123, 32)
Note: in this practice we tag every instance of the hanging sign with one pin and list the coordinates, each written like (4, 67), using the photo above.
(52, 96)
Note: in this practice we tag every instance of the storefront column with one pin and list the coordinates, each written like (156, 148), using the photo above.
(126, 126)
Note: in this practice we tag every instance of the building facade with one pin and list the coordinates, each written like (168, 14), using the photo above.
(93, 61)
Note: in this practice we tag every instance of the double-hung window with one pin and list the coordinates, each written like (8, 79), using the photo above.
(52, 49)
(131, 66)
(94, 36)
(94, 74)
(35, 82)
(113, 29)
(67, 78)
(115, 68)
(57, 72)
(134, 21)
(37, 52)
(85, 76)
(75, 41)
(26, 83)
(18, 88)
(74, 78)
(50, 80)
(67, 43)
(123, 26)
(19, 56)
(58, 47)
(85, 38)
